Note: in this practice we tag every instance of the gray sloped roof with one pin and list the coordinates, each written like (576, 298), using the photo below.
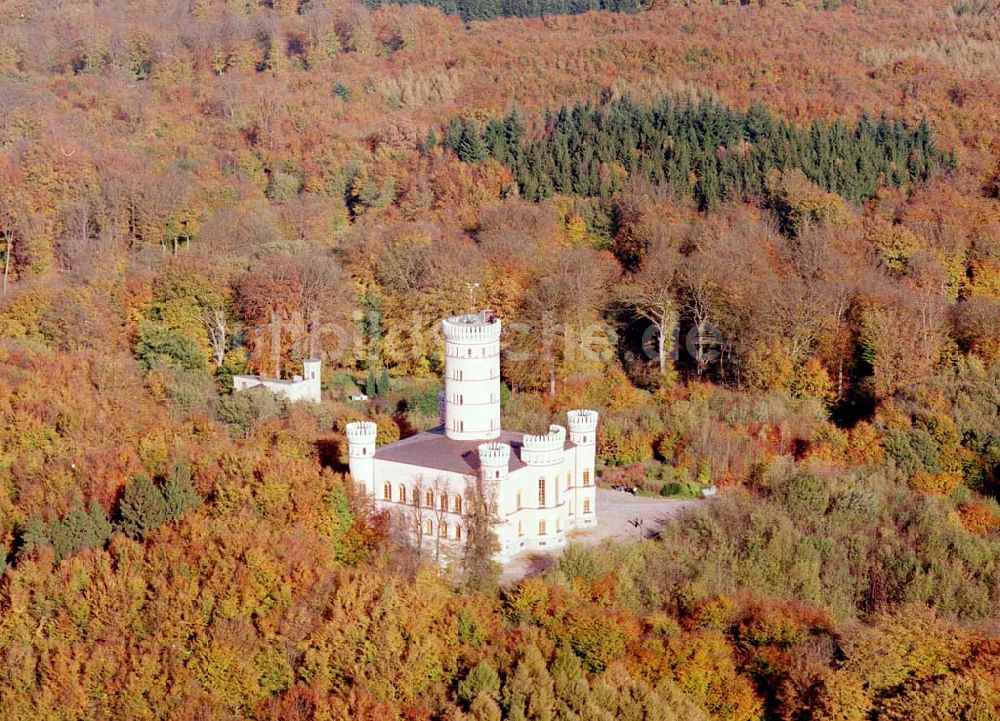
(433, 449)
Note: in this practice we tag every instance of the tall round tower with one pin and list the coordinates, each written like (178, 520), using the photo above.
(472, 376)
(361, 453)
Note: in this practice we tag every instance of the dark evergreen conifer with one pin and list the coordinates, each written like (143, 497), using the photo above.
(142, 508)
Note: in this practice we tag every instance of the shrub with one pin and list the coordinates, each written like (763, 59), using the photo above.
(806, 495)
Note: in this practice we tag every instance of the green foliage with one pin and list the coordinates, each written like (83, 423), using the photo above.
(241, 411)
(529, 694)
(142, 508)
(284, 186)
(481, 679)
(34, 534)
(490, 9)
(159, 344)
(730, 153)
(179, 492)
(470, 147)
(426, 402)
(806, 495)
(77, 530)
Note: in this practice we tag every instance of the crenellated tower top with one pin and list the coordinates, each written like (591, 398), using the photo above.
(544, 450)
(482, 327)
(361, 432)
(494, 460)
(582, 426)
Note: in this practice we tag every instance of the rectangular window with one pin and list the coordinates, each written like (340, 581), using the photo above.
(518, 500)
(520, 528)
(586, 476)
(458, 533)
(541, 493)
(402, 493)
(541, 528)
(586, 505)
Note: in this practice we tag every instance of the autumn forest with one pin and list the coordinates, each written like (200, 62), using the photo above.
(762, 239)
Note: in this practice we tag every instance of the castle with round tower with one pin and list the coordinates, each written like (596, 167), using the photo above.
(537, 488)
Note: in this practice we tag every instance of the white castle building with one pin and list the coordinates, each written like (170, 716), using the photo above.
(538, 487)
(305, 387)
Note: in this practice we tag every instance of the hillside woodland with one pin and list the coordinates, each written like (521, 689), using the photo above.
(762, 239)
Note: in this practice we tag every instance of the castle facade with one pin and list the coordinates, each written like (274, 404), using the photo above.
(538, 488)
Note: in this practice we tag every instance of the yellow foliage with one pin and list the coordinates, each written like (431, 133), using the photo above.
(894, 243)
(940, 484)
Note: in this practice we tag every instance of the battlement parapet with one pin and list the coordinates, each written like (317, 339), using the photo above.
(582, 421)
(554, 439)
(544, 450)
(494, 454)
(482, 327)
(361, 432)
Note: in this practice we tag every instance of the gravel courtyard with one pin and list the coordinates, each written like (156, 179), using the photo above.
(615, 513)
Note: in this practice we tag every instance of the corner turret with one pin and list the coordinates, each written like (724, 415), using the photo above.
(583, 433)
(544, 450)
(582, 426)
(494, 461)
(361, 453)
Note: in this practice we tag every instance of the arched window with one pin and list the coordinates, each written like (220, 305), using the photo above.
(541, 493)
(470, 352)
(444, 501)
(402, 493)
(458, 532)
(429, 499)
(429, 527)
(458, 504)
(387, 491)
(443, 530)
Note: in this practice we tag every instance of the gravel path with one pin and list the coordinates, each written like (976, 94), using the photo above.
(615, 510)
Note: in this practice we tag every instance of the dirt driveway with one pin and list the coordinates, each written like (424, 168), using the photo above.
(616, 514)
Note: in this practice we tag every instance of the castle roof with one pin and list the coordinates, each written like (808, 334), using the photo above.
(435, 451)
